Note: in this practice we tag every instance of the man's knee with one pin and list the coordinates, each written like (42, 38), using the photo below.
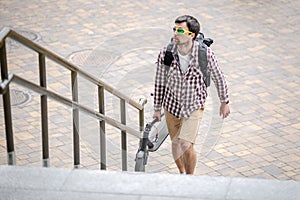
(176, 146)
(186, 146)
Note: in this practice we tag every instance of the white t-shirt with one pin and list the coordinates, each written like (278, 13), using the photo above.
(184, 62)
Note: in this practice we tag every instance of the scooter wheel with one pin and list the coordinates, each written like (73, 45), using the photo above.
(139, 165)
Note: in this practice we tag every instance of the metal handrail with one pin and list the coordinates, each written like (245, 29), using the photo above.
(44, 92)
(7, 32)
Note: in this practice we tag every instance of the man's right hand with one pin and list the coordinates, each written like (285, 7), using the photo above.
(157, 114)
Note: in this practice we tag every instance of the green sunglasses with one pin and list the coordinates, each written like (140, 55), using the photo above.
(181, 31)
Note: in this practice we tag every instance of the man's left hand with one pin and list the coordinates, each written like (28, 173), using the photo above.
(224, 110)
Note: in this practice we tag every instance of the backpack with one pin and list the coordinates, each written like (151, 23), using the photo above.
(202, 56)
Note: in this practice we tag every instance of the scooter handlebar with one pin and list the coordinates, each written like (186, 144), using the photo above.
(155, 119)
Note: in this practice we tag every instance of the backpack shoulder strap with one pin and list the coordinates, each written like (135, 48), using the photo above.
(168, 57)
(202, 58)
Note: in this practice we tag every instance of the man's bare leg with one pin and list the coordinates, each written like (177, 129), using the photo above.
(189, 157)
(178, 157)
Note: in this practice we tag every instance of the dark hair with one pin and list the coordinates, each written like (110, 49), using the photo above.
(192, 23)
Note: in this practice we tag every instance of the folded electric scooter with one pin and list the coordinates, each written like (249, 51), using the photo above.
(153, 135)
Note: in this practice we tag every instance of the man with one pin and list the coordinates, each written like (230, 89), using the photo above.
(181, 91)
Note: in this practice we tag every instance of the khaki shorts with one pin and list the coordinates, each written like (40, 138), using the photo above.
(186, 129)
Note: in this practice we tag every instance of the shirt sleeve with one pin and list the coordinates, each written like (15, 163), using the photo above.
(217, 76)
(160, 81)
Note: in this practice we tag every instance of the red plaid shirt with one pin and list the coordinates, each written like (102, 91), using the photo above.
(181, 93)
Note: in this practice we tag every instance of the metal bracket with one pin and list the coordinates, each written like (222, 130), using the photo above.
(46, 162)
(142, 101)
(5, 83)
(76, 166)
(11, 158)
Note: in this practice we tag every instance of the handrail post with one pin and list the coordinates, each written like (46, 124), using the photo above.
(76, 145)
(123, 135)
(141, 116)
(102, 129)
(11, 157)
(44, 111)
(142, 102)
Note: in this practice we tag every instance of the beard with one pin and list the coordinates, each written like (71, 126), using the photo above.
(181, 42)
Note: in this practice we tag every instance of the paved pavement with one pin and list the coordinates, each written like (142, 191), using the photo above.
(256, 43)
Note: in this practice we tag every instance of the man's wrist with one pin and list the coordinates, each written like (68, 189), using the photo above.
(157, 109)
(225, 102)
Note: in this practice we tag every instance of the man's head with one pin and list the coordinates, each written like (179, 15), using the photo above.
(189, 22)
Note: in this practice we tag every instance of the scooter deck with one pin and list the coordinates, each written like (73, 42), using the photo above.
(158, 134)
